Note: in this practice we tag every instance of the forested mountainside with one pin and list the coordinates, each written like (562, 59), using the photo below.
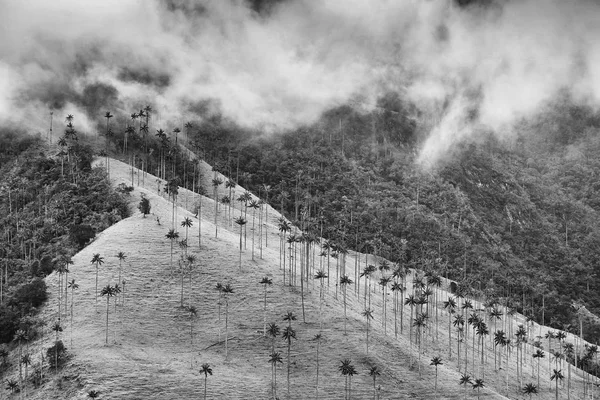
(514, 221)
(52, 203)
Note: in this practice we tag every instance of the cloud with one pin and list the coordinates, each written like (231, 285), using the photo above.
(279, 64)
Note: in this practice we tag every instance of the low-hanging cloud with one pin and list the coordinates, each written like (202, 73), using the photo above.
(467, 66)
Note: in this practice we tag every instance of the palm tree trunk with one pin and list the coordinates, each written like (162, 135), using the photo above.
(226, 323)
(107, 309)
(205, 379)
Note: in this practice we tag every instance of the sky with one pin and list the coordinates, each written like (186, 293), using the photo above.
(481, 66)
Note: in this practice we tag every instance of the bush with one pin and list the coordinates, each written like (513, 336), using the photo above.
(144, 206)
(81, 234)
(32, 294)
(124, 189)
(56, 354)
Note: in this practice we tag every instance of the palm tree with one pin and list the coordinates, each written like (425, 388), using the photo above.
(97, 261)
(348, 371)
(478, 384)
(216, 182)
(254, 206)
(530, 389)
(450, 305)
(26, 361)
(368, 314)
(274, 358)
(206, 370)
(420, 323)
(266, 281)
(383, 282)
(556, 376)
(121, 256)
(569, 353)
(465, 380)
(20, 337)
(267, 189)
(288, 334)
(193, 312)
(241, 222)
(374, 373)
(187, 223)
(108, 291)
(273, 332)
(12, 385)
(93, 394)
(436, 362)
(56, 328)
(397, 290)
(317, 338)
(227, 290)
(538, 354)
(73, 286)
(344, 282)
(284, 228)
(412, 302)
(321, 276)
(172, 236)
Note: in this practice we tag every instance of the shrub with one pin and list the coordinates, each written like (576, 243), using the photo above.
(144, 206)
(124, 189)
(56, 354)
(81, 234)
(32, 294)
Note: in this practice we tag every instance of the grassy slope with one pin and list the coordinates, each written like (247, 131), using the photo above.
(149, 354)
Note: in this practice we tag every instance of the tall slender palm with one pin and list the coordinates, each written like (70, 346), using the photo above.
(216, 182)
(383, 282)
(344, 282)
(450, 306)
(121, 256)
(266, 281)
(172, 236)
(374, 373)
(206, 370)
(241, 222)
(187, 223)
(556, 376)
(321, 275)
(93, 394)
(73, 286)
(569, 354)
(317, 338)
(436, 362)
(420, 324)
(193, 312)
(227, 290)
(478, 384)
(266, 189)
(57, 328)
(530, 389)
(288, 334)
(465, 380)
(273, 331)
(284, 228)
(254, 206)
(26, 361)
(539, 354)
(368, 314)
(274, 358)
(108, 291)
(20, 337)
(230, 184)
(411, 301)
(348, 371)
(97, 260)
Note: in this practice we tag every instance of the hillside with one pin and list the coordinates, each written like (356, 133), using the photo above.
(150, 353)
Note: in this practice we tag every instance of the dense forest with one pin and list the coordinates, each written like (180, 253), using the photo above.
(512, 221)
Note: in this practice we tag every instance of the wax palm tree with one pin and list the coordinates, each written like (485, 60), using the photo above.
(320, 275)
(73, 286)
(227, 290)
(26, 361)
(254, 206)
(556, 376)
(12, 385)
(383, 282)
(482, 331)
(530, 389)
(108, 291)
(374, 373)
(368, 314)
(288, 334)
(569, 354)
(344, 282)
(97, 260)
(317, 338)
(420, 323)
(206, 370)
(187, 223)
(412, 302)
(266, 189)
(539, 354)
(348, 371)
(172, 236)
(273, 331)
(450, 306)
(465, 380)
(284, 228)
(266, 281)
(57, 328)
(230, 184)
(397, 290)
(20, 337)
(274, 358)
(193, 312)
(436, 362)
(216, 182)
(549, 335)
(241, 222)
(121, 256)
(478, 384)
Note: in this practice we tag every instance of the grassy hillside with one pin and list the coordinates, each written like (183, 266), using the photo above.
(150, 352)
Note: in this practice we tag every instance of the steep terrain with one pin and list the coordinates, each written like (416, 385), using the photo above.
(155, 349)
